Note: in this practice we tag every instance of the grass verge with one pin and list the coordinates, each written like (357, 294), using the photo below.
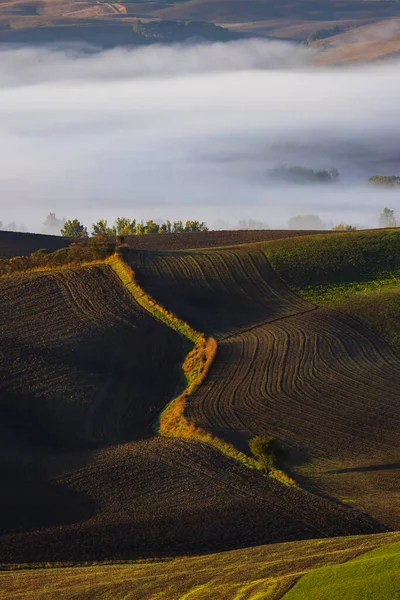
(373, 576)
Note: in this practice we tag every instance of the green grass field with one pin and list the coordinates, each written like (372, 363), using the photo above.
(357, 273)
(322, 269)
(373, 576)
(380, 308)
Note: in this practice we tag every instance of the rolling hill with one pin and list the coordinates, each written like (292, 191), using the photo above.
(86, 371)
(108, 24)
(319, 380)
(13, 243)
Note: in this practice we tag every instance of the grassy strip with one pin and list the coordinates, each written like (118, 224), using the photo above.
(325, 295)
(374, 575)
(173, 421)
(326, 264)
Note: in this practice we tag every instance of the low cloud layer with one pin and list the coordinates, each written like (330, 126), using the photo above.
(192, 132)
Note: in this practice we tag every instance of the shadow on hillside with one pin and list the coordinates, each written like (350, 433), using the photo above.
(387, 467)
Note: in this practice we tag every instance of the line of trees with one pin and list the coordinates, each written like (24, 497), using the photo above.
(299, 174)
(384, 181)
(12, 227)
(125, 226)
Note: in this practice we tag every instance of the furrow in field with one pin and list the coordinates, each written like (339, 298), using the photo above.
(221, 291)
(322, 383)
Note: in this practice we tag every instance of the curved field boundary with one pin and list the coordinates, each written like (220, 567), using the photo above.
(172, 421)
(200, 286)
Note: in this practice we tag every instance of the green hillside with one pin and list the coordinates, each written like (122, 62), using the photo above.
(321, 268)
(373, 576)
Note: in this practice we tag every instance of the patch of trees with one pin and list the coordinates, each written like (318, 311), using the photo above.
(390, 181)
(52, 224)
(179, 31)
(125, 226)
(251, 224)
(321, 34)
(75, 229)
(298, 174)
(306, 222)
(387, 218)
(12, 227)
(343, 227)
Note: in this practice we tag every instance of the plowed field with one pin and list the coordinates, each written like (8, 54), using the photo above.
(211, 239)
(170, 496)
(84, 372)
(218, 291)
(323, 383)
(22, 244)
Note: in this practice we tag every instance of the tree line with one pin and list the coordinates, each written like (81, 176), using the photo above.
(122, 226)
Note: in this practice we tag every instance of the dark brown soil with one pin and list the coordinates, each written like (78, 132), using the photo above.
(323, 383)
(21, 244)
(210, 239)
(84, 372)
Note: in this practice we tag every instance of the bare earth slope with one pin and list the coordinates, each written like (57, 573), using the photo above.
(218, 291)
(84, 371)
(77, 358)
(21, 244)
(322, 382)
(211, 239)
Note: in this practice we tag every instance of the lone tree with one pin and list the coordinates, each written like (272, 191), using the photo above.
(52, 223)
(268, 451)
(387, 218)
(101, 227)
(74, 229)
(306, 222)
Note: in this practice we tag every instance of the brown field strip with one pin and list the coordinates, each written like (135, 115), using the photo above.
(79, 337)
(170, 496)
(211, 239)
(218, 291)
(22, 244)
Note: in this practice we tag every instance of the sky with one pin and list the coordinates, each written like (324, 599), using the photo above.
(192, 132)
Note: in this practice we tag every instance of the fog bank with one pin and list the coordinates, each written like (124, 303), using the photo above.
(191, 132)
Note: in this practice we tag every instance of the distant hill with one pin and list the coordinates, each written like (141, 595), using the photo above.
(372, 42)
(108, 24)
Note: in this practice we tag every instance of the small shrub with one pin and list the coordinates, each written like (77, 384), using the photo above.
(268, 451)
